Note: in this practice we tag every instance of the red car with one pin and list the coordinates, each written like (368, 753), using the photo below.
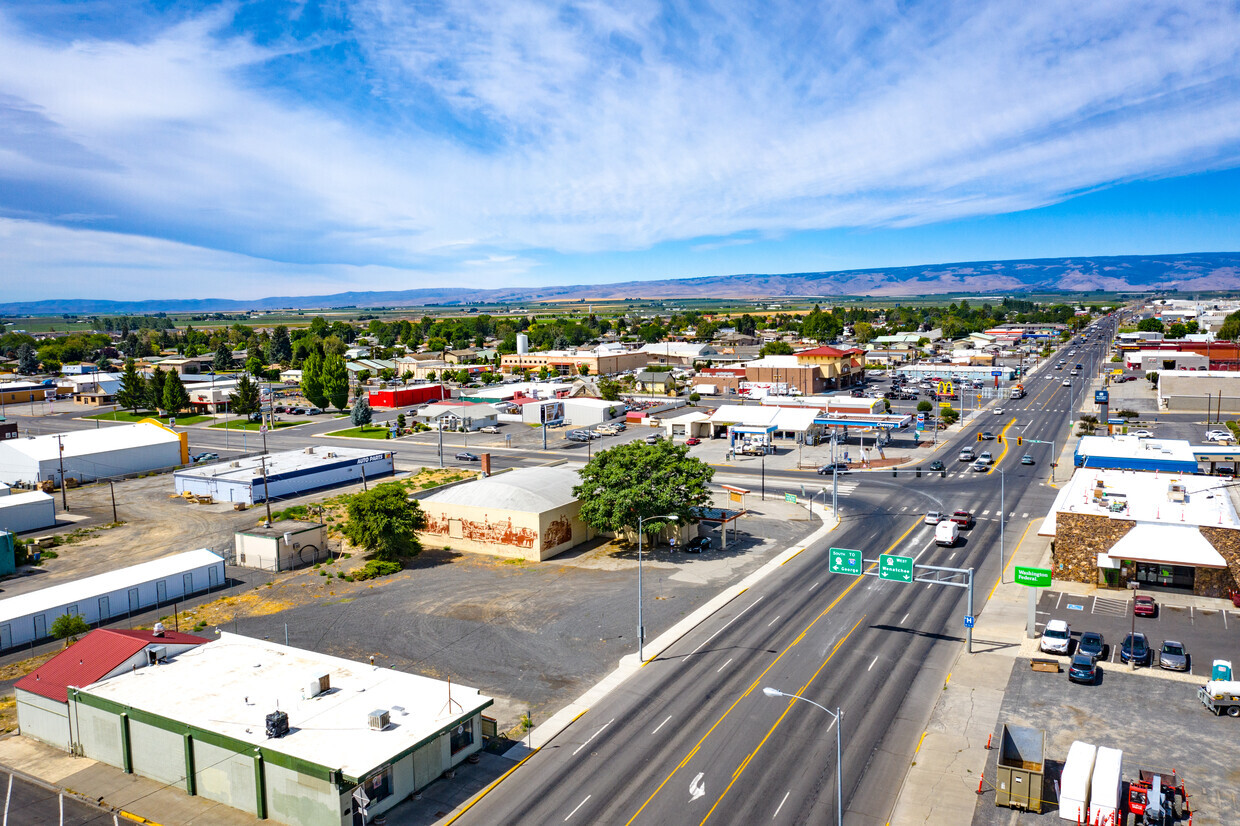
(963, 518)
(1144, 606)
(693, 440)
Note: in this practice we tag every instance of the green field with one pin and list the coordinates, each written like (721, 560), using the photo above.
(365, 432)
(254, 426)
(128, 416)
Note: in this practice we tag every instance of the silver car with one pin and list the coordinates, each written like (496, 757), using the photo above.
(1173, 656)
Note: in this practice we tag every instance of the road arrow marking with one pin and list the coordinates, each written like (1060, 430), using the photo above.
(696, 788)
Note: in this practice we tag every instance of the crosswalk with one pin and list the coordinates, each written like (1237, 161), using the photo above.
(1111, 607)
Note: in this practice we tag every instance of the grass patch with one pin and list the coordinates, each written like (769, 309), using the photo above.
(128, 416)
(255, 426)
(363, 432)
(294, 512)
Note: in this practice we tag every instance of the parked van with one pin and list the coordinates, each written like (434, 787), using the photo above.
(966, 455)
(946, 533)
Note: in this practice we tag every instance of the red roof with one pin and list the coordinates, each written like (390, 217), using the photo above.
(830, 352)
(93, 656)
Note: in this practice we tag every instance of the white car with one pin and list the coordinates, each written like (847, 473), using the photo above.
(985, 458)
(998, 411)
(1067, 383)
(1218, 436)
(1055, 637)
(933, 518)
(1143, 434)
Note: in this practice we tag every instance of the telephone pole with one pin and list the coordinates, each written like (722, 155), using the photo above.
(64, 501)
(266, 497)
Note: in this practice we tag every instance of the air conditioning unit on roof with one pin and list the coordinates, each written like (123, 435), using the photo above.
(378, 719)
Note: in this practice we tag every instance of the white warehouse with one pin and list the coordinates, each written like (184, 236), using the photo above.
(31, 511)
(291, 473)
(27, 618)
(93, 454)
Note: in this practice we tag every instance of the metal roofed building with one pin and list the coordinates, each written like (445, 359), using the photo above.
(30, 511)
(94, 454)
(1112, 527)
(349, 726)
(1134, 453)
(529, 513)
(290, 473)
(27, 618)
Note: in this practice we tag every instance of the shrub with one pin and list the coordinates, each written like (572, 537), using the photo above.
(376, 568)
(68, 626)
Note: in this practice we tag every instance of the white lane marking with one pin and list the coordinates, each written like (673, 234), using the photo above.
(905, 617)
(812, 587)
(781, 804)
(985, 513)
(696, 787)
(772, 622)
(592, 736)
(661, 725)
(721, 630)
(579, 805)
(872, 663)
(725, 665)
(950, 558)
(1059, 600)
(1024, 515)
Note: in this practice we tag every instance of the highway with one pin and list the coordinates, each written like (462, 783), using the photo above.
(691, 738)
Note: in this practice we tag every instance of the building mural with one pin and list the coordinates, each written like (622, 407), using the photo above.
(558, 532)
(483, 530)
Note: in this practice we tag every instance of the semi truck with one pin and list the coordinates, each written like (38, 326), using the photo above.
(1018, 391)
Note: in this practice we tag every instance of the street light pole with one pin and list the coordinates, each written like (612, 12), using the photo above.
(641, 627)
(839, 737)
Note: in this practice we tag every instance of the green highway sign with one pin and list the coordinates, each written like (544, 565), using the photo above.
(898, 568)
(844, 561)
(1033, 577)
(790, 497)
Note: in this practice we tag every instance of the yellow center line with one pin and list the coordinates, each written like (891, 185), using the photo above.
(744, 763)
(1004, 440)
(756, 682)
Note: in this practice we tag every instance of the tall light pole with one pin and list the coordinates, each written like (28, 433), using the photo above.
(1002, 517)
(839, 724)
(641, 627)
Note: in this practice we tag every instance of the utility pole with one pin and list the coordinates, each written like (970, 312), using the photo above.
(64, 502)
(112, 487)
(266, 498)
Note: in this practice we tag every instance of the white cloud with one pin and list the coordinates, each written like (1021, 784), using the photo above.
(605, 127)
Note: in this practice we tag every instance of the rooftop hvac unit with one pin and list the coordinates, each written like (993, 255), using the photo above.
(277, 724)
(156, 654)
(310, 450)
(379, 719)
(319, 683)
(234, 464)
(331, 455)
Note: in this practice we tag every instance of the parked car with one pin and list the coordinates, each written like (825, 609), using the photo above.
(1026, 459)
(1055, 637)
(653, 439)
(467, 457)
(1144, 606)
(576, 436)
(1143, 434)
(489, 429)
(314, 411)
(937, 465)
(933, 518)
(205, 457)
(297, 411)
(963, 518)
(1082, 669)
(1173, 656)
(1092, 644)
(833, 468)
(1136, 648)
(698, 544)
(693, 440)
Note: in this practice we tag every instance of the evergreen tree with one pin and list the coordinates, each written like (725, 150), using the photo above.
(155, 389)
(245, 400)
(336, 382)
(280, 348)
(223, 357)
(312, 380)
(27, 360)
(361, 412)
(175, 397)
(132, 392)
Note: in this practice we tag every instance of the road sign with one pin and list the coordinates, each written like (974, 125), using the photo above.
(1101, 396)
(1033, 577)
(894, 567)
(968, 621)
(996, 372)
(263, 429)
(844, 561)
(790, 497)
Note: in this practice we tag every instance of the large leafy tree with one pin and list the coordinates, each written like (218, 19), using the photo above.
(336, 382)
(609, 388)
(245, 400)
(312, 380)
(385, 522)
(175, 397)
(132, 392)
(1230, 329)
(637, 480)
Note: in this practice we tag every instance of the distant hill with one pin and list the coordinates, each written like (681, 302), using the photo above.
(1187, 272)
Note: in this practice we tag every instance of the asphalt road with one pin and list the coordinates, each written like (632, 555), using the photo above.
(692, 737)
(31, 804)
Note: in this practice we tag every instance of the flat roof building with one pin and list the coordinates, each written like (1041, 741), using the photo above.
(1134, 453)
(282, 733)
(88, 455)
(289, 473)
(30, 511)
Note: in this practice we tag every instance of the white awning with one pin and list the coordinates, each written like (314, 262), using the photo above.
(1166, 545)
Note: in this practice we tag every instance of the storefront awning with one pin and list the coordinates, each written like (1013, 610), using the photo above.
(1166, 545)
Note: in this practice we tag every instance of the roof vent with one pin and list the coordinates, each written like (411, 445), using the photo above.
(320, 683)
(378, 719)
(310, 450)
(234, 464)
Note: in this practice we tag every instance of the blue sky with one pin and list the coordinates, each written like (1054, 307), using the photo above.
(177, 149)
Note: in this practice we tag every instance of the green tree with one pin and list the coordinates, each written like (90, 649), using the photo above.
(175, 397)
(924, 406)
(1230, 329)
(949, 415)
(336, 382)
(254, 365)
(385, 522)
(132, 392)
(223, 357)
(27, 360)
(155, 389)
(69, 626)
(245, 400)
(609, 389)
(361, 411)
(280, 348)
(776, 348)
(863, 331)
(312, 380)
(1149, 325)
(1177, 330)
(634, 480)
(583, 369)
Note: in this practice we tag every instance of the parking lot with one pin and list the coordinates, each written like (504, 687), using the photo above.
(1207, 633)
(1159, 724)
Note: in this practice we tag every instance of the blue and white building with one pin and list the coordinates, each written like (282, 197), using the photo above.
(281, 475)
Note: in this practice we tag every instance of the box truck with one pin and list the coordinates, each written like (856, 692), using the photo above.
(1074, 782)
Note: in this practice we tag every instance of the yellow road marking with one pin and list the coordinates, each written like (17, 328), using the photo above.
(1003, 437)
(758, 681)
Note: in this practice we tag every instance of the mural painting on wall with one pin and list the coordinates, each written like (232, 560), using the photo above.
(483, 530)
(558, 532)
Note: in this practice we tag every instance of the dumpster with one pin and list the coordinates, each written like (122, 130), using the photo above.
(1021, 762)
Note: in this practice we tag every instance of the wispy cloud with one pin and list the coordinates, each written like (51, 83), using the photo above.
(416, 139)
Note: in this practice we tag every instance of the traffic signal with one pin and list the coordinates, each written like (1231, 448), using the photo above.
(919, 473)
(979, 437)
(1020, 440)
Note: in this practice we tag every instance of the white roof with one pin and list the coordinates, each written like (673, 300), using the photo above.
(474, 410)
(588, 401)
(678, 348)
(532, 490)
(783, 418)
(23, 605)
(16, 500)
(276, 463)
(779, 362)
(93, 442)
(1167, 545)
(14, 386)
(231, 684)
(1145, 495)
(1124, 447)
